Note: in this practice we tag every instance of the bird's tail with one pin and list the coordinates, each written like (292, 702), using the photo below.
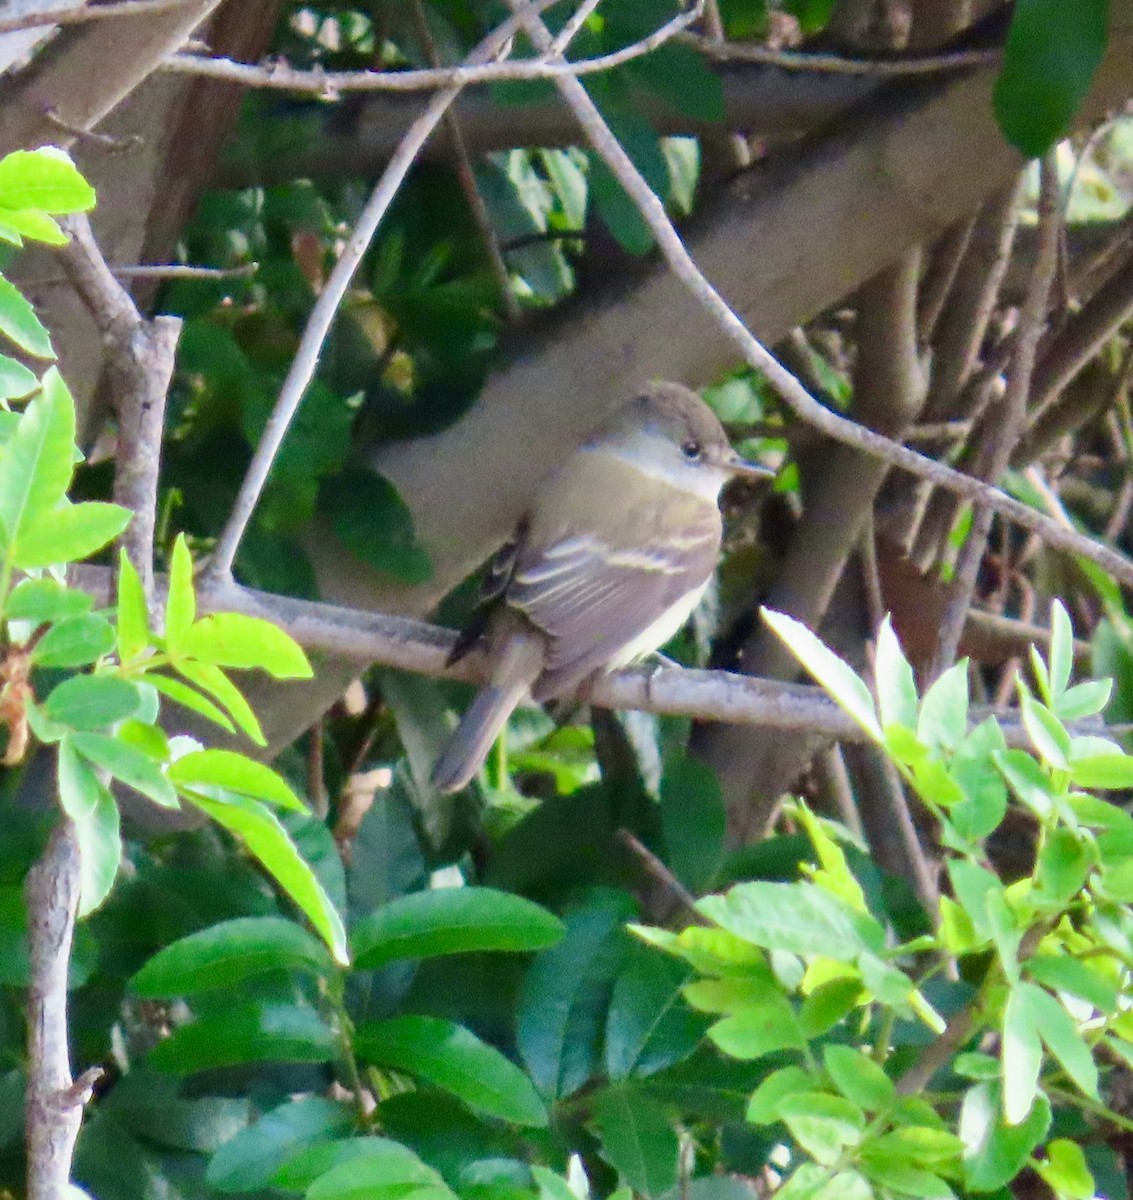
(519, 665)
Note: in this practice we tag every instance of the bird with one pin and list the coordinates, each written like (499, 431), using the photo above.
(605, 566)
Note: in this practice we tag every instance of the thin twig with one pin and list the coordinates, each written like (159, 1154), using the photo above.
(1012, 415)
(797, 398)
(76, 15)
(155, 271)
(139, 364)
(375, 638)
(573, 25)
(837, 64)
(661, 874)
(331, 84)
(326, 307)
(54, 1105)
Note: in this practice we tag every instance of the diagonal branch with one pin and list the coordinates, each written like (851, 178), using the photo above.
(797, 398)
(326, 307)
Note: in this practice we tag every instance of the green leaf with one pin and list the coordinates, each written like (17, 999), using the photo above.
(1085, 699)
(763, 1108)
(1046, 731)
(1063, 1038)
(680, 76)
(1062, 973)
(16, 381)
(1028, 781)
(91, 807)
(247, 1162)
(1066, 1172)
(452, 921)
(995, 1152)
(1049, 62)
(43, 601)
(761, 1029)
(824, 1125)
(829, 671)
(27, 223)
(943, 720)
(858, 1078)
(91, 701)
(896, 687)
(44, 179)
(133, 619)
(905, 1180)
(234, 640)
(36, 468)
(181, 600)
(234, 773)
(649, 1026)
(454, 1059)
(19, 323)
(973, 768)
(251, 1033)
(375, 525)
(694, 821)
(260, 830)
(184, 695)
(799, 918)
(377, 1169)
(215, 683)
(1064, 863)
(225, 955)
(75, 642)
(1061, 649)
(564, 998)
(637, 1139)
(1021, 1055)
(128, 765)
(69, 533)
(1106, 772)
(828, 1004)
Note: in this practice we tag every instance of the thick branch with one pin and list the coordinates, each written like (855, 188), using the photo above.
(87, 71)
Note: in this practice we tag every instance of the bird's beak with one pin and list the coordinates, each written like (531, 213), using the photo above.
(736, 465)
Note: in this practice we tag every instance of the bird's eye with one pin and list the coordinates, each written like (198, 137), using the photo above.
(691, 450)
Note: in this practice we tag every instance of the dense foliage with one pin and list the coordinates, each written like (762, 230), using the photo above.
(565, 982)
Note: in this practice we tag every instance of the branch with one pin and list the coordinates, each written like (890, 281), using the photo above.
(55, 1101)
(840, 64)
(139, 366)
(326, 307)
(94, 12)
(797, 398)
(1012, 414)
(88, 70)
(332, 84)
(369, 638)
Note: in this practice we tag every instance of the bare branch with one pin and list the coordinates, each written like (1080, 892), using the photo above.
(326, 307)
(838, 64)
(54, 1106)
(369, 638)
(798, 399)
(330, 84)
(1011, 417)
(92, 12)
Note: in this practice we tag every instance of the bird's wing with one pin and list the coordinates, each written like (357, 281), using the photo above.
(593, 600)
(497, 576)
